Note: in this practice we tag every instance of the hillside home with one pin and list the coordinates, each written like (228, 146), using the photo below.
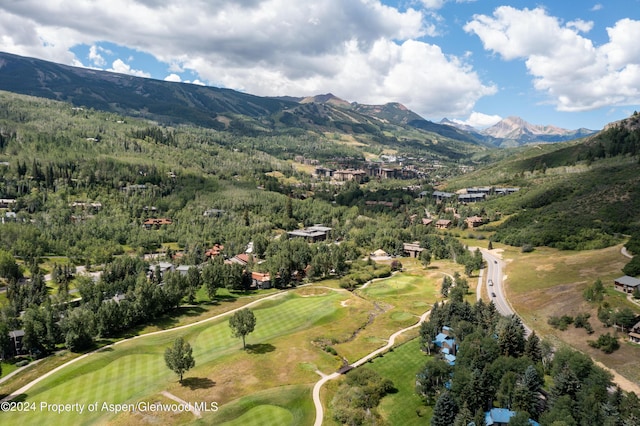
(93, 206)
(505, 191)
(426, 221)
(6, 203)
(446, 344)
(443, 224)
(380, 253)
(156, 223)
(15, 343)
(445, 341)
(474, 222)
(323, 172)
(350, 174)
(387, 173)
(162, 267)
(312, 234)
(471, 198)
(214, 251)
(379, 203)
(501, 417)
(440, 196)
(184, 269)
(412, 249)
(240, 259)
(486, 190)
(260, 280)
(626, 284)
(634, 334)
(134, 187)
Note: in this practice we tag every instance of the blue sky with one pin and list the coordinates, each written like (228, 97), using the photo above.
(571, 64)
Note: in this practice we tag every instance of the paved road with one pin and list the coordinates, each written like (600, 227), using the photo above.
(496, 291)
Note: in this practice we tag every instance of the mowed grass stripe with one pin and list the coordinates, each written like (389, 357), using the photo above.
(264, 415)
(136, 368)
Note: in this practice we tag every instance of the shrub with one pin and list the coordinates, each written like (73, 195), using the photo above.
(330, 350)
(561, 323)
(527, 248)
(396, 265)
(582, 321)
(606, 343)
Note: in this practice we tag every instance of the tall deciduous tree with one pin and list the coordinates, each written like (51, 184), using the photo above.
(213, 277)
(78, 328)
(9, 269)
(194, 281)
(179, 357)
(242, 323)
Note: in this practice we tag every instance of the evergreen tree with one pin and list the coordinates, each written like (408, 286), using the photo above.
(445, 410)
(446, 285)
(532, 348)
(511, 336)
(464, 416)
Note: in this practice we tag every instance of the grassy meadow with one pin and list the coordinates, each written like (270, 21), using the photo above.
(550, 282)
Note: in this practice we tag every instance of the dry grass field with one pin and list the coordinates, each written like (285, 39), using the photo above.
(548, 282)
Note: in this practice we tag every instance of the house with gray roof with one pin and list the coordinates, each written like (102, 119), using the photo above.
(626, 284)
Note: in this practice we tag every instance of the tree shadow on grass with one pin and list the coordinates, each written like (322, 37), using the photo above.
(260, 348)
(191, 311)
(198, 383)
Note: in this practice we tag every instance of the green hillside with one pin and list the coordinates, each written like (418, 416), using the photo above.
(576, 195)
(374, 128)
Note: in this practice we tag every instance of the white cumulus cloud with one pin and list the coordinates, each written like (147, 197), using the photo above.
(95, 57)
(121, 67)
(173, 77)
(575, 74)
(480, 120)
(362, 50)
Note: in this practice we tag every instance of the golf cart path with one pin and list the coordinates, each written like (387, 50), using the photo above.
(325, 378)
(29, 385)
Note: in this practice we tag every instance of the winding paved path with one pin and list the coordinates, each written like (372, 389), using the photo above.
(326, 378)
(29, 385)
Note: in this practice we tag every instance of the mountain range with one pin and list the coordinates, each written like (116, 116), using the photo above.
(172, 103)
(514, 131)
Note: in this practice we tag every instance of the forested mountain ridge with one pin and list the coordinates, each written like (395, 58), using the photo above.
(377, 127)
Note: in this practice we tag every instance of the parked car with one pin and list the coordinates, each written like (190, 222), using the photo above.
(490, 281)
